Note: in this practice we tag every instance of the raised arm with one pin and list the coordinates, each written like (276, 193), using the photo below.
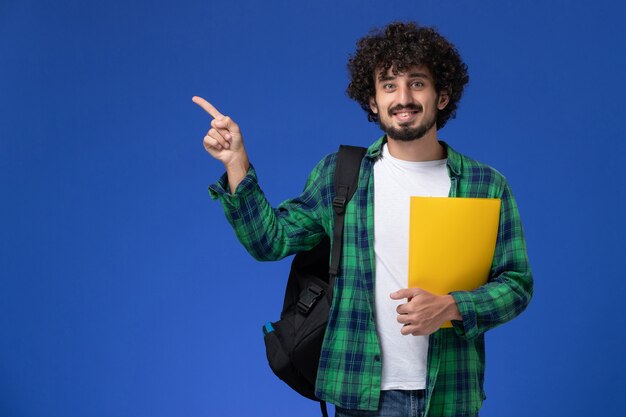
(224, 142)
(268, 234)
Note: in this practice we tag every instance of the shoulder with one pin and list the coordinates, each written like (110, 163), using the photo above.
(328, 162)
(327, 165)
(481, 171)
(325, 168)
(477, 177)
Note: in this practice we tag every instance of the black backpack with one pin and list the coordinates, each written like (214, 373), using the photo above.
(293, 344)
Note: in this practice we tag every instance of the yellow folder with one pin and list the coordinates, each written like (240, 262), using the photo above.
(451, 243)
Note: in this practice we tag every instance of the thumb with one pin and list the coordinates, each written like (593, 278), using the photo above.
(227, 123)
(404, 293)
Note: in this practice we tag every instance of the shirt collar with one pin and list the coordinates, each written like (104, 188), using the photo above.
(454, 158)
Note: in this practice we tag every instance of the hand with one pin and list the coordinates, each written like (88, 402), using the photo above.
(424, 313)
(225, 143)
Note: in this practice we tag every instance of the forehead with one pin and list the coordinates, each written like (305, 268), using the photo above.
(418, 71)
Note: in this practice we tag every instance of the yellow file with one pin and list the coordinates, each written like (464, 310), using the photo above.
(451, 243)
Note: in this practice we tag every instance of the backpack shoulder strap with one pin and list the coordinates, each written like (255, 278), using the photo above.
(346, 182)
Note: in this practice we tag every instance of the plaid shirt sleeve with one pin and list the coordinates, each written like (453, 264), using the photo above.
(510, 286)
(270, 234)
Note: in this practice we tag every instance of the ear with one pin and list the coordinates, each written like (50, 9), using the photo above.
(373, 105)
(444, 99)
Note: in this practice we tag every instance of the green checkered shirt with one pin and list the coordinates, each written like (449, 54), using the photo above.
(350, 367)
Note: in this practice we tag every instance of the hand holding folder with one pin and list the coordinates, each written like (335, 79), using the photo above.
(451, 243)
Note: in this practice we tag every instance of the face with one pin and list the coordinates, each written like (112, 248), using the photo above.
(407, 104)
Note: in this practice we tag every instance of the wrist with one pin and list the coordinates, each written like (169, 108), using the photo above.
(236, 170)
(238, 163)
(452, 309)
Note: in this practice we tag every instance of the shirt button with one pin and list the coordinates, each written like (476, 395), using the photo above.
(377, 358)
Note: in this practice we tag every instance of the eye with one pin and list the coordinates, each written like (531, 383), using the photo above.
(388, 86)
(417, 84)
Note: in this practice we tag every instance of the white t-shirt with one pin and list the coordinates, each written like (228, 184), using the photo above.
(395, 181)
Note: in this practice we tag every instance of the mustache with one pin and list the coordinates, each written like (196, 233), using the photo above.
(414, 106)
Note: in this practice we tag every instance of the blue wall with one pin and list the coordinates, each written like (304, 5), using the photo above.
(123, 291)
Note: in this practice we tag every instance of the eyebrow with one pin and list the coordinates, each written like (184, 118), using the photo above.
(411, 75)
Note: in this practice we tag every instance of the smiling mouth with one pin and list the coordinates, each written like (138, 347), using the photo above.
(405, 113)
(404, 116)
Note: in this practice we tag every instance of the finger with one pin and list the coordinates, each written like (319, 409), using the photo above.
(410, 329)
(224, 132)
(211, 144)
(403, 319)
(414, 330)
(407, 308)
(403, 308)
(208, 107)
(219, 135)
(213, 133)
(404, 293)
(226, 122)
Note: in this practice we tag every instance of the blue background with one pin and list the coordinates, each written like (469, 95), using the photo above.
(123, 291)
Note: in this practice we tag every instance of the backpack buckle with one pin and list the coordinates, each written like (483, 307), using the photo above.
(339, 204)
(308, 298)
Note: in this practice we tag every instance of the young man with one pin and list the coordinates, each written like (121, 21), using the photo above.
(384, 352)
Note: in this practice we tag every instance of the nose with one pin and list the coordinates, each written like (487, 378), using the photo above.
(404, 95)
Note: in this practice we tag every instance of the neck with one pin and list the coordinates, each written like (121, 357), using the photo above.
(426, 148)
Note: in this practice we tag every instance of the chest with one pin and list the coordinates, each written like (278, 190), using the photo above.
(395, 185)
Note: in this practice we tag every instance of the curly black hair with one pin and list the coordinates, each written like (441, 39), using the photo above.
(400, 46)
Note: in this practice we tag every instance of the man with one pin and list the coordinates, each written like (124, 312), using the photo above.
(384, 352)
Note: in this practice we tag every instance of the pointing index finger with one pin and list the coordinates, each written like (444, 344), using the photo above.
(208, 107)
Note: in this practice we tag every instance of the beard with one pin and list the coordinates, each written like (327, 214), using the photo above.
(405, 132)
